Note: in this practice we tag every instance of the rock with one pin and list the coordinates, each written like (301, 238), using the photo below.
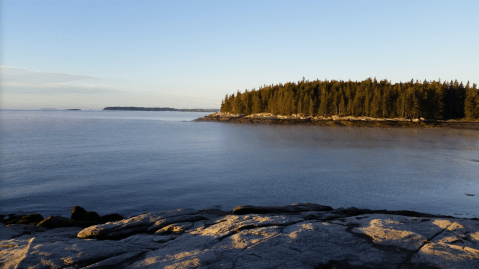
(91, 216)
(5, 218)
(114, 262)
(80, 214)
(336, 120)
(134, 225)
(234, 223)
(70, 253)
(163, 222)
(351, 211)
(175, 228)
(401, 231)
(213, 212)
(410, 213)
(295, 208)
(55, 222)
(54, 235)
(148, 240)
(111, 218)
(456, 247)
(254, 241)
(17, 230)
(295, 236)
(323, 216)
(32, 219)
(12, 252)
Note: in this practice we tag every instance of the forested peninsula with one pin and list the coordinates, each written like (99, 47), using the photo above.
(369, 98)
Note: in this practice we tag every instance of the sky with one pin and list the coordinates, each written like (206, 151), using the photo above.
(190, 54)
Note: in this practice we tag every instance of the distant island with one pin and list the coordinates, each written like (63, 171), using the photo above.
(54, 109)
(161, 109)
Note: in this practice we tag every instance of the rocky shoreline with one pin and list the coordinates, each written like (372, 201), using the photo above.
(268, 118)
(293, 236)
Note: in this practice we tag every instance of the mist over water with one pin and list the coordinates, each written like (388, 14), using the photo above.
(132, 162)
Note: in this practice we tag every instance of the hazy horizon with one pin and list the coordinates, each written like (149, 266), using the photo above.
(189, 54)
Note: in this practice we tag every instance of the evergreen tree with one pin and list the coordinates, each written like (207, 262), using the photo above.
(238, 105)
(358, 107)
(305, 103)
(300, 107)
(256, 104)
(471, 105)
(376, 110)
(323, 107)
(342, 106)
(311, 106)
(387, 103)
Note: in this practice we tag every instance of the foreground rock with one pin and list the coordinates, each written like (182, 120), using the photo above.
(294, 236)
(79, 218)
(296, 119)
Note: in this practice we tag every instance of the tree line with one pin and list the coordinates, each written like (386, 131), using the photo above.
(372, 98)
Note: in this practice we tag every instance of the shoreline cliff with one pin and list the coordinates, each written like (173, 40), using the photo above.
(293, 236)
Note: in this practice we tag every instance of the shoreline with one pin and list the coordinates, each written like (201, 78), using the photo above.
(268, 118)
(82, 218)
(293, 236)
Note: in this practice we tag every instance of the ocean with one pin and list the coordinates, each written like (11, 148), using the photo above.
(131, 162)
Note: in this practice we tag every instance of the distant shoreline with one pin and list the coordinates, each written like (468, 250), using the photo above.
(267, 118)
(131, 108)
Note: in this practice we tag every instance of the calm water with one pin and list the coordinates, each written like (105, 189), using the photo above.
(133, 162)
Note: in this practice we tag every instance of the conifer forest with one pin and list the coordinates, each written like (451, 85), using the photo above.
(372, 98)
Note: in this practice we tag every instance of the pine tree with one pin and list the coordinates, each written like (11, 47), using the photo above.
(300, 107)
(256, 104)
(342, 107)
(224, 107)
(357, 107)
(311, 107)
(306, 102)
(386, 102)
(238, 105)
(376, 109)
(471, 104)
(323, 107)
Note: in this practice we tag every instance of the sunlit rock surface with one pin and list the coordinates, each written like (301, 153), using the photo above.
(335, 120)
(295, 236)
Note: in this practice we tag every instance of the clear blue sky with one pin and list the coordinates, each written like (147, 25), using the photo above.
(189, 54)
